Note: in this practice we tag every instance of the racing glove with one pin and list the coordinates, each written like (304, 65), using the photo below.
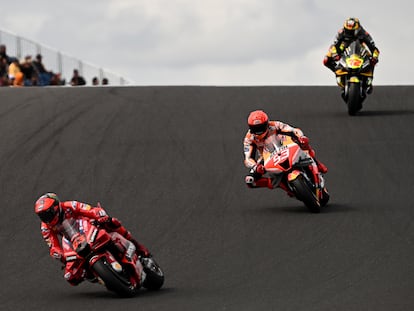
(373, 61)
(107, 222)
(103, 220)
(259, 169)
(57, 253)
(303, 142)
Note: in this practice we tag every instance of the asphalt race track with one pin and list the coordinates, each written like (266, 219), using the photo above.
(167, 161)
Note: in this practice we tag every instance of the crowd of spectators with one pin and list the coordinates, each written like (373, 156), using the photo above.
(32, 72)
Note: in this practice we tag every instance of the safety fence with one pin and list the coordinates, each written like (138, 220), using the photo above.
(57, 61)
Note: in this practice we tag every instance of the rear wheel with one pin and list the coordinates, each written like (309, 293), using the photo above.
(304, 193)
(115, 281)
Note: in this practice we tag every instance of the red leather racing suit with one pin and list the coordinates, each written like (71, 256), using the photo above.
(76, 210)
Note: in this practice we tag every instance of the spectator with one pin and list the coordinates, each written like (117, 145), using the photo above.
(4, 72)
(95, 81)
(19, 80)
(56, 79)
(29, 74)
(105, 81)
(44, 76)
(77, 79)
(4, 54)
(15, 73)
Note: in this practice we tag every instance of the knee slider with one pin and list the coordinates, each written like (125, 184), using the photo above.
(249, 180)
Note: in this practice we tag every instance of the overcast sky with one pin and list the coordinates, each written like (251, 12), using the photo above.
(215, 42)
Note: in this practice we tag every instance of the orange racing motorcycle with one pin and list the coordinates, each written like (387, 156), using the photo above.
(285, 162)
(354, 75)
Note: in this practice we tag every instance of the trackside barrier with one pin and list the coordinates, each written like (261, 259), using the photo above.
(57, 61)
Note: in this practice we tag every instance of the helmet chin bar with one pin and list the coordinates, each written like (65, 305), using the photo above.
(261, 136)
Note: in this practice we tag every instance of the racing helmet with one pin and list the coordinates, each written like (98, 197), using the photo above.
(48, 208)
(351, 26)
(258, 122)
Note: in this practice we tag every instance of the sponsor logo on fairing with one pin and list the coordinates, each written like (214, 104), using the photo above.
(130, 251)
(116, 266)
(94, 234)
(71, 258)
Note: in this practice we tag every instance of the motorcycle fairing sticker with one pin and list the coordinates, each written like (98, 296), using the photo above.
(354, 62)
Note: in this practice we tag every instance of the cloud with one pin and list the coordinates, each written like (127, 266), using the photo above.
(232, 41)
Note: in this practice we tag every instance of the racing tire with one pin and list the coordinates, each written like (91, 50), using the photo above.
(325, 197)
(114, 281)
(354, 99)
(304, 193)
(154, 275)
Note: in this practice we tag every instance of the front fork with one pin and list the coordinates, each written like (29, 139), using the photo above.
(364, 83)
(317, 177)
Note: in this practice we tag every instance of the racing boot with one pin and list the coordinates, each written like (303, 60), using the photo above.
(321, 167)
(145, 257)
(259, 183)
(90, 277)
(340, 82)
(142, 251)
(369, 85)
(343, 94)
(264, 182)
(115, 225)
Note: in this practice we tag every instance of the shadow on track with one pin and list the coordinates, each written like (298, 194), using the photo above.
(300, 209)
(384, 113)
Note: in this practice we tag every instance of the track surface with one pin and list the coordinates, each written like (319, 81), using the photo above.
(167, 161)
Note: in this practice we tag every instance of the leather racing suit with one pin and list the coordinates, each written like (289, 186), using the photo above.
(76, 210)
(253, 153)
(342, 41)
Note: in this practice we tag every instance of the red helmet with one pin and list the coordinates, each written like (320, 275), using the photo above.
(258, 122)
(47, 207)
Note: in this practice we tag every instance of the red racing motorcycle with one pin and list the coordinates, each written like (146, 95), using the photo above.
(285, 162)
(107, 258)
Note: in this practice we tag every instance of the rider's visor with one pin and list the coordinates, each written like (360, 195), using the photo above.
(48, 215)
(258, 129)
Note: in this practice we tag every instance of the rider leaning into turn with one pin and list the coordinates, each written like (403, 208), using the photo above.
(351, 31)
(259, 129)
(52, 212)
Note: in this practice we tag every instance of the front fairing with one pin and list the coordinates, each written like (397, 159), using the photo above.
(74, 228)
(281, 154)
(354, 60)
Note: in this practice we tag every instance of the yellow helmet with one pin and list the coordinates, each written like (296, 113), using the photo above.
(351, 25)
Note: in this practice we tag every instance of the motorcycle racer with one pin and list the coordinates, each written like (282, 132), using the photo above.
(52, 212)
(351, 31)
(261, 128)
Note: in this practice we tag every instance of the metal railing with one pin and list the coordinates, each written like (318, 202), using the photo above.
(57, 61)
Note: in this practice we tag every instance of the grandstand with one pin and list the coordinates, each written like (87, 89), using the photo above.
(57, 61)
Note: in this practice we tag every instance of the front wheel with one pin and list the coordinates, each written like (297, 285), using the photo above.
(325, 197)
(354, 101)
(154, 278)
(115, 281)
(305, 194)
